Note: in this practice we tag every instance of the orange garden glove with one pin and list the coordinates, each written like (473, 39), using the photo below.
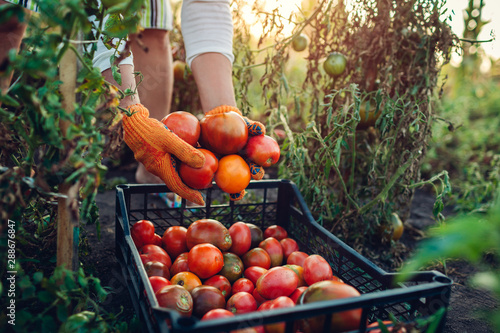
(153, 145)
(254, 128)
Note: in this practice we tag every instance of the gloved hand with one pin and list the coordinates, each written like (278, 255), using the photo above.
(153, 145)
(254, 128)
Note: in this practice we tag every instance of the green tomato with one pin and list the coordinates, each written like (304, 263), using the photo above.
(335, 64)
(299, 43)
(83, 322)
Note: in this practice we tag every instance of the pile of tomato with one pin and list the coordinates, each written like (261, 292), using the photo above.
(227, 146)
(210, 271)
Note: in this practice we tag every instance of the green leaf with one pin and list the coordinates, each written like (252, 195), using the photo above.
(116, 75)
(37, 277)
(45, 296)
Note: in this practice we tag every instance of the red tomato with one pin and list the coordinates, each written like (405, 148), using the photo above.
(142, 232)
(253, 273)
(180, 264)
(296, 294)
(206, 298)
(273, 247)
(174, 241)
(243, 284)
(241, 302)
(158, 282)
(300, 274)
(151, 252)
(205, 260)
(297, 258)
(223, 133)
(278, 303)
(275, 231)
(220, 282)
(316, 269)
(177, 298)
(233, 174)
(156, 268)
(257, 257)
(208, 231)
(266, 305)
(187, 280)
(216, 314)
(278, 281)
(328, 290)
(157, 240)
(258, 298)
(241, 237)
(289, 245)
(185, 125)
(200, 178)
(262, 150)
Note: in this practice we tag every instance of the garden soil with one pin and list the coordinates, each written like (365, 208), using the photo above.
(467, 305)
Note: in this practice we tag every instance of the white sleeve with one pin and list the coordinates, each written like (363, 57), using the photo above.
(102, 56)
(207, 26)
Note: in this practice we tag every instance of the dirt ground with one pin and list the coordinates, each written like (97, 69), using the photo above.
(463, 315)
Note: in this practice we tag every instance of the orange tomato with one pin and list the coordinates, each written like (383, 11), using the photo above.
(233, 175)
(187, 280)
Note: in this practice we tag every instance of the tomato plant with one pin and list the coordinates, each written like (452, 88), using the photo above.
(200, 178)
(185, 125)
(205, 260)
(262, 150)
(174, 241)
(142, 233)
(223, 133)
(233, 174)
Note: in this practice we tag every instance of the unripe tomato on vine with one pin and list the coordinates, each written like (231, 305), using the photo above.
(335, 64)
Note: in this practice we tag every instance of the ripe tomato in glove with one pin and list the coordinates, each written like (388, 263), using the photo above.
(185, 125)
(200, 178)
(223, 133)
(262, 150)
(233, 175)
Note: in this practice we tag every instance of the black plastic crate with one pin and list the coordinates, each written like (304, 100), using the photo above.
(271, 202)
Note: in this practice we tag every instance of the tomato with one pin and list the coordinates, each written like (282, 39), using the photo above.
(300, 274)
(263, 150)
(180, 264)
(277, 281)
(243, 284)
(257, 235)
(233, 174)
(185, 125)
(329, 290)
(158, 282)
(297, 258)
(233, 267)
(205, 260)
(279, 303)
(177, 298)
(257, 257)
(151, 252)
(200, 178)
(289, 245)
(206, 298)
(316, 269)
(156, 268)
(258, 298)
(275, 231)
(394, 229)
(241, 237)
(223, 133)
(368, 117)
(299, 43)
(241, 302)
(273, 247)
(85, 321)
(208, 231)
(220, 282)
(174, 241)
(253, 273)
(187, 280)
(266, 305)
(180, 68)
(157, 240)
(216, 314)
(335, 64)
(297, 292)
(142, 232)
